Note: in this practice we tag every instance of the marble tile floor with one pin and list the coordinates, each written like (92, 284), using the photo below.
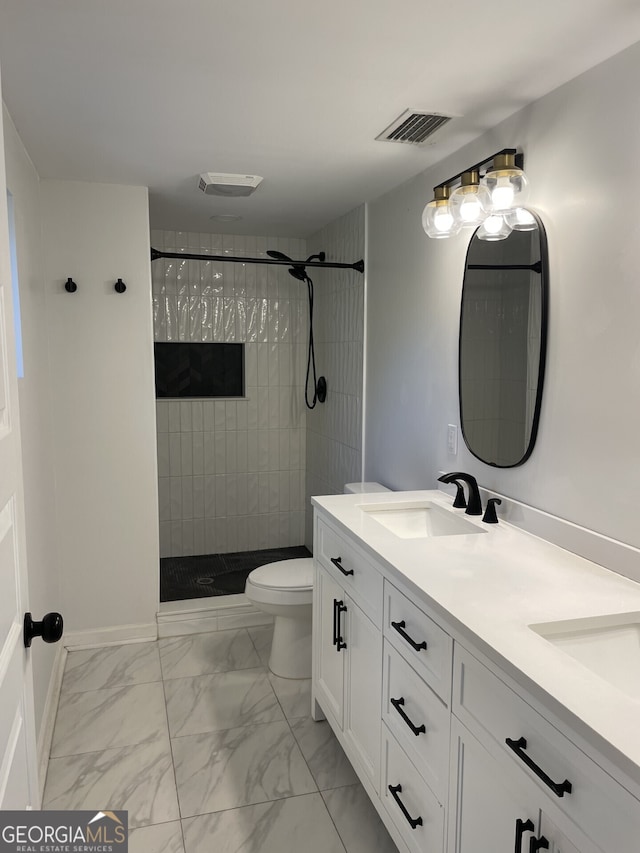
(207, 750)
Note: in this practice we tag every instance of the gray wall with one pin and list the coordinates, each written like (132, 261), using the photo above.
(334, 428)
(580, 144)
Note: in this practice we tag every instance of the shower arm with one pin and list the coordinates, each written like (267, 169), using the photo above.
(186, 256)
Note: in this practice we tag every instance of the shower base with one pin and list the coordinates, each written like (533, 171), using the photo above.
(209, 575)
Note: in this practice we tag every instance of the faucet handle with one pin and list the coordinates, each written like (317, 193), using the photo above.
(490, 516)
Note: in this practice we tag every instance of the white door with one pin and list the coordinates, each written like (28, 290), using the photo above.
(363, 711)
(488, 811)
(329, 659)
(18, 764)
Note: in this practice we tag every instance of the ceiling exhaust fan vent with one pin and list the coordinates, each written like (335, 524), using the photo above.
(413, 127)
(219, 183)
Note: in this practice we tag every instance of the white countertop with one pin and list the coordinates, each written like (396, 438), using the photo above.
(490, 587)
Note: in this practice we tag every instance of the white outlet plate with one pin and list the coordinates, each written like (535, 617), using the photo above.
(452, 439)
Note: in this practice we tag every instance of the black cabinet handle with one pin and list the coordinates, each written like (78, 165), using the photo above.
(397, 704)
(50, 629)
(522, 826)
(412, 821)
(558, 788)
(538, 844)
(335, 621)
(340, 607)
(337, 562)
(400, 626)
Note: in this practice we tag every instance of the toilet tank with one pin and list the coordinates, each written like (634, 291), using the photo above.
(362, 488)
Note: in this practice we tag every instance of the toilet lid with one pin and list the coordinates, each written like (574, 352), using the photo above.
(285, 574)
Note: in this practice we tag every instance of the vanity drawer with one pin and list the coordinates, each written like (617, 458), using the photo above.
(418, 720)
(411, 805)
(419, 640)
(351, 568)
(601, 808)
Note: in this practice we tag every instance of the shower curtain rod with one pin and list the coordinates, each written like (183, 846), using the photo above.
(156, 253)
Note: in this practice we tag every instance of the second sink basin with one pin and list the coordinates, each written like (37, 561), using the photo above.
(607, 645)
(418, 519)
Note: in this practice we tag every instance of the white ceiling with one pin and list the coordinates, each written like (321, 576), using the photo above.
(154, 92)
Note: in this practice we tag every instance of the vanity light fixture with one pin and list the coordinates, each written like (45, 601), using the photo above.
(489, 194)
(437, 218)
(495, 227)
(471, 201)
(521, 219)
(507, 183)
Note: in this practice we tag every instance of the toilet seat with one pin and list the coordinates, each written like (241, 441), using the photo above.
(282, 582)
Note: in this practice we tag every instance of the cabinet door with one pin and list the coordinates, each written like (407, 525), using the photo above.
(558, 842)
(329, 659)
(487, 811)
(363, 685)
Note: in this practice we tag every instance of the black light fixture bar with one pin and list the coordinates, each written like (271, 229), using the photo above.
(519, 159)
(233, 259)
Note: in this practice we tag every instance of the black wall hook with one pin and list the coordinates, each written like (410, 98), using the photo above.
(120, 286)
(70, 285)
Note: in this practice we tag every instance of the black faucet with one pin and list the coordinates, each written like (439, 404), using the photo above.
(474, 504)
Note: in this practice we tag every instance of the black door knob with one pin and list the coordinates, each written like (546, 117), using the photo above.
(50, 629)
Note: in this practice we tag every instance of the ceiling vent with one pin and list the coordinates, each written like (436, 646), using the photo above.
(413, 127)
(230, 186)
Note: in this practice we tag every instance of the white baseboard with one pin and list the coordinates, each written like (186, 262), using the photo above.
(195, 617)
(45, 735)
(74, 640)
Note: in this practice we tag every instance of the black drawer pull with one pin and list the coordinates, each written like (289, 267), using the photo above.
(337, 562)
(412, 821)
(335, 621)
(339, 607)
(400, 626)
(558, 788)
(538, 844)
(397, 704)
(522, 826)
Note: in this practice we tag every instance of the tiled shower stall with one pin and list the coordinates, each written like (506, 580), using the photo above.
(236, 475)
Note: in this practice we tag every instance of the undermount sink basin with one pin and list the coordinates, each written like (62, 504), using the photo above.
(418, 519)
(607, 645)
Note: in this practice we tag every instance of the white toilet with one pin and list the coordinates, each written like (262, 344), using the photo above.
(285, 590)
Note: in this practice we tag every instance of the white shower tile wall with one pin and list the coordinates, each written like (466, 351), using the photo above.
(334, 428)
(232, 472)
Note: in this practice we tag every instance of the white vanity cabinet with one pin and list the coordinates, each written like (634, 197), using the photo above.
(348, 646)
(526, 770)
(455, 755)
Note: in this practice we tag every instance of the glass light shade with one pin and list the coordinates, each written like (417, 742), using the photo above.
(494, 228)
(470, 204)
(521, 219)
(507, 183)
(438, 221)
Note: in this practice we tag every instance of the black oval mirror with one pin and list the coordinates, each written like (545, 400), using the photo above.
(503, 332)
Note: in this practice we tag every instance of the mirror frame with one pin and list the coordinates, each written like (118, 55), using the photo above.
(544, 321)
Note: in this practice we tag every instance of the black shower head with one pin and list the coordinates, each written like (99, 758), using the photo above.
(278, 256)
(299, 273)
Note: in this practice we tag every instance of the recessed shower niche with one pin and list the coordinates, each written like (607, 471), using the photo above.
(194, 370)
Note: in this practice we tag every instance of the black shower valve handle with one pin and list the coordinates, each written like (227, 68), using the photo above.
(120, 286)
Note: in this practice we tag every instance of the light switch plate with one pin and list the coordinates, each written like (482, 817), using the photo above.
(452, 439)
